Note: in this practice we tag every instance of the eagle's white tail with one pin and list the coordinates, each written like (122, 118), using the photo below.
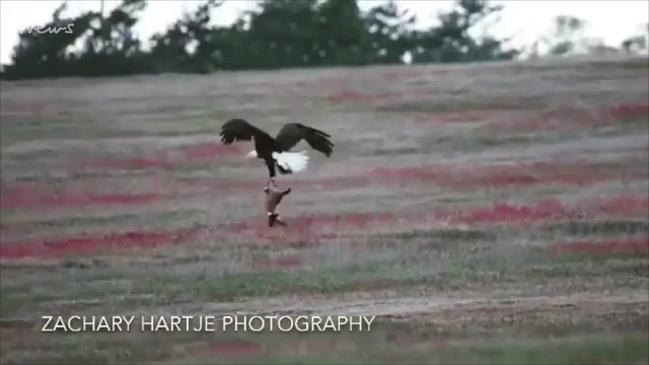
(292, 161)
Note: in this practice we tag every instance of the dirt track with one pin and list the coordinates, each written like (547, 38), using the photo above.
(429, 307)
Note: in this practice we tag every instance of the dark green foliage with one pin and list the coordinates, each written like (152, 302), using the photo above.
(173, 50)
(108, 45)
(451, 41)
(280, 33)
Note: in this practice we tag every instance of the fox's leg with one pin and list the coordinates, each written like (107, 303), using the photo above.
(279, 221)
(271, 219)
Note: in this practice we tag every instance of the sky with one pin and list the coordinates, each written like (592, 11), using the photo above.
(522, 21)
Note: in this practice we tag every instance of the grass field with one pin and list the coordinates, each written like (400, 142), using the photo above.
(484, 213)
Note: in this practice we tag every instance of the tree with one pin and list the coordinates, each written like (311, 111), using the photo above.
(567, 35)
(451, 41)
(341, 33)
(43, 51)
(285, 33)
(637, 43)
(187, 45)
(112, 48)
(107, 45)
(280, 33)
(388, 35)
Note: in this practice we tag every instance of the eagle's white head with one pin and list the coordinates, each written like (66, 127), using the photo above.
(252, 154)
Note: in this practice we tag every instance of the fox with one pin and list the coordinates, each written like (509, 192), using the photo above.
(273, 197)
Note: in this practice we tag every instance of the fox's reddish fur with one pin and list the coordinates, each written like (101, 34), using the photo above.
(273, 198)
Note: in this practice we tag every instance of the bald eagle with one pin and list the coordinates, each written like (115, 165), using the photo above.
(275, 151)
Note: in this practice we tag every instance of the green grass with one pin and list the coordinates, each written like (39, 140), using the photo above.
(376, 347)
(326, 280)
(446, 235)
(461, 270)
(400, 273)
(105, 348)
(483, 294)
(585, 349)
(445, 260)
(608, 227)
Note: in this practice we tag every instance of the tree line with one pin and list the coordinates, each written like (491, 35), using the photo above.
(279, 34)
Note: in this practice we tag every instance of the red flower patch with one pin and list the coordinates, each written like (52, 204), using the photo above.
(132, 163)
(353, 96)
(213, 183)
(572, 118)
(307, 228)
(232, 348)
(626, 206)
(404, 174)
(400, 75)
(536, 174)
(639, 245)
(324, 83)
(520, 213)
(210, 151)
(549, 210)
(630, 111)
(459, 116)
(340, 182)
(35, 196)
(451, 176)
(495, 176)
(90, 244)
(200, 152)
(296, 231)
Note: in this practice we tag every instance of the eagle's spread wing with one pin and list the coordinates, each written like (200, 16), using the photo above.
(292, 133)
(238, 130)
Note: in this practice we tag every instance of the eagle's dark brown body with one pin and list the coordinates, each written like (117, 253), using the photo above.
(267, 147)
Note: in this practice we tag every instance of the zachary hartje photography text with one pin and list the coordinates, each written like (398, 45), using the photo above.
(207, 323)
